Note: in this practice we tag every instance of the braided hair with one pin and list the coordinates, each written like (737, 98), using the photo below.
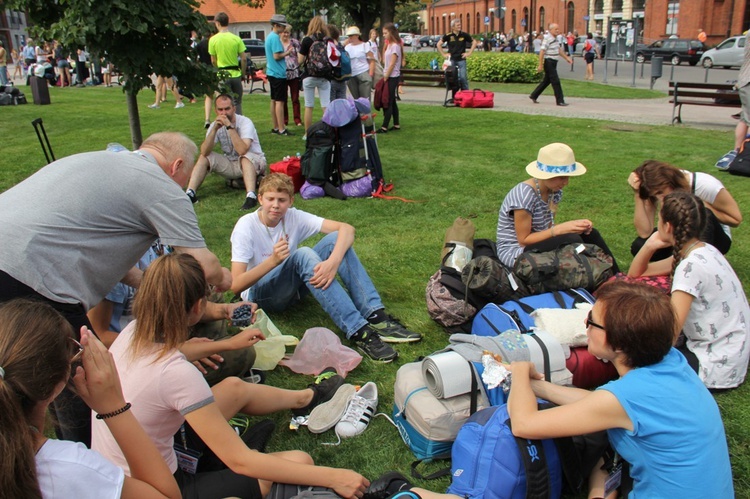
(686, 213)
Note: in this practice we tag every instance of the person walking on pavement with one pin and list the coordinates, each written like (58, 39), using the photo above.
(548, 56)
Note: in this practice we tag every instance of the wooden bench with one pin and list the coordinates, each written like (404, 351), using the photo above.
(701, 94)
(423, 77)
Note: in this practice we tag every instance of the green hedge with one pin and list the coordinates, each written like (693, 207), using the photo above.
(503, 67)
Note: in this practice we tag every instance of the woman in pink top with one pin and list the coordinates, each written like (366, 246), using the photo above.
(166, 390)
(392, 59)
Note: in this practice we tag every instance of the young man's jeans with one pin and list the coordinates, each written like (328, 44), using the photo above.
(287, 283)
(463, 79)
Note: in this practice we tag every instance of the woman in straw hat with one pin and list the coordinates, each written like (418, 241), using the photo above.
(527, 215)
(363, 64)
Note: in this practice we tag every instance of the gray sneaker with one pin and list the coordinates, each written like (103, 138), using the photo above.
(392, 331)
(326, 415)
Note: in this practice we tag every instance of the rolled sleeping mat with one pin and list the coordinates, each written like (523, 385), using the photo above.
(447, 374)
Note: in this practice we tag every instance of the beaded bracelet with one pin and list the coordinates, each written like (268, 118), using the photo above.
(115, 413)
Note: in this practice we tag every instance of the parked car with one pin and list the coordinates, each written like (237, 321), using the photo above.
(581, 42)
(727, 54)
(407, 38)
(673, 50)
(254, 47)
(427, 41)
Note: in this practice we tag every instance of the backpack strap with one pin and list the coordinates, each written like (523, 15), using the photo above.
(545, 354)
(535, 464)
(693, 185)
(446, 471)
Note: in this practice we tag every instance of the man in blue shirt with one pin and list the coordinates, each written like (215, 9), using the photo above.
(276, 72)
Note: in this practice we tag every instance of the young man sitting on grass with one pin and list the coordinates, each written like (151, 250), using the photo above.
(270, 269)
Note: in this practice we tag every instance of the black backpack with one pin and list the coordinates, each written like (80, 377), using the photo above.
(320, 159)
(741, 163)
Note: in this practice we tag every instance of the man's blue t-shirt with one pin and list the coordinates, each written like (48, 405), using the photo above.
(275, 68)
(677, 447)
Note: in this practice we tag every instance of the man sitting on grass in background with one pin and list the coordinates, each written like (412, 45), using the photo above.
(269, 269)
(242, 156)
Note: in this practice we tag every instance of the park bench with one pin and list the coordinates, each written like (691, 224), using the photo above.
(701, 94)
(423, 77)
(255, 75)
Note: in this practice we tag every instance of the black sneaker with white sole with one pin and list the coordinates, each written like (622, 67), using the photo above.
(392, 331)
(368, 342)
(324, 387)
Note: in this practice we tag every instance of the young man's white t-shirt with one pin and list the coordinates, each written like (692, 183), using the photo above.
(253, 241)
(68, 469)
(716, 325)
(162, 392)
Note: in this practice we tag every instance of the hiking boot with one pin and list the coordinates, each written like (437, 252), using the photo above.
(249, 204)
(392, 331)
(324, 387)
(368, 342)
(387, 485)
(361, 409)
(326, 415)
(192, 195)
(726, 160)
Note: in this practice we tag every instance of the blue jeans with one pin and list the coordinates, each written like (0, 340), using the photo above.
(463, 78)
(287, 283)
(3, 75)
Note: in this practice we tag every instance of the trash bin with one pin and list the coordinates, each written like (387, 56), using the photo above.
(39, 90)
(657, 63)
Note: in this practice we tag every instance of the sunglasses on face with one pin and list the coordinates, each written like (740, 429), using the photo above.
(590, 322)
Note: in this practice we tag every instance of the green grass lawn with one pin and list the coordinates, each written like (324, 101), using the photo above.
(453, 162)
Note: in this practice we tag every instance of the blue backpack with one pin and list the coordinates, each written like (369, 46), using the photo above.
(489, 462)
(343, 71)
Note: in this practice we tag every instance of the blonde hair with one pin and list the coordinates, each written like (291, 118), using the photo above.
(170, 288)
(316, 25)
(277, 182)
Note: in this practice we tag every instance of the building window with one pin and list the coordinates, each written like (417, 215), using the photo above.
(599, 7)
(571, 17)
(639, 5)
(479, 23)
(513, 20)
(525, 20)
(617, 6)
(541, 18)
(673, 12)
(467, 28)
(492, 21)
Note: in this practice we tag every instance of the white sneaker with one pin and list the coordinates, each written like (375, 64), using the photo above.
(179, 105)
(153, 106)
(360, 411)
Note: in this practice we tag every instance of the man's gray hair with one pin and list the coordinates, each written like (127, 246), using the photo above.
(173, 145)
(454, 22)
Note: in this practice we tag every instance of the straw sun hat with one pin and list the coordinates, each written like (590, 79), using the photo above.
(555, 160)
(353, 30)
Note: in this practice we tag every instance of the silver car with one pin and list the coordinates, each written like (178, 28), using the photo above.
(727, 54)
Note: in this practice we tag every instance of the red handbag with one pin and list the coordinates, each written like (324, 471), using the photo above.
(474, 98)
(292, 168)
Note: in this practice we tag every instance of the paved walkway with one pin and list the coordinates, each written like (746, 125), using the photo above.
(640, 111)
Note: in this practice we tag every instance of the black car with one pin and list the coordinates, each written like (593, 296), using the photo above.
(254, 47)
(673, 50)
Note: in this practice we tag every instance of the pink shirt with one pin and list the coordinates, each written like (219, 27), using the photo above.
(393, 49)
(161, 392)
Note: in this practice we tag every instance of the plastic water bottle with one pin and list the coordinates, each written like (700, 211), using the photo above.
(298, 155)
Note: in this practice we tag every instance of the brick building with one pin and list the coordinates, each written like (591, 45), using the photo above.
(12, 29)
(658, 18)
(244, 21)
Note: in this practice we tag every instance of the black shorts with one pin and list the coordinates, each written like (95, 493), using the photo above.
(278, 88)
(589, 57)
(224, 483)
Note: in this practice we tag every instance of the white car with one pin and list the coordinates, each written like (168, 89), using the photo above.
(407, 38)
(727, 54)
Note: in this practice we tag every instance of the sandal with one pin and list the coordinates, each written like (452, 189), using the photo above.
(383, 130)
(396, 128)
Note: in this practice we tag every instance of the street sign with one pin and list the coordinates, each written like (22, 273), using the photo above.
(487, 20)
(523, 22)
(586, 18)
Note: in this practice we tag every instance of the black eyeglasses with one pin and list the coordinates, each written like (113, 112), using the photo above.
(590, 323)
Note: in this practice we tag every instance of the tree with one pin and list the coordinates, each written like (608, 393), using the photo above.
(407, 16)
(140, 37)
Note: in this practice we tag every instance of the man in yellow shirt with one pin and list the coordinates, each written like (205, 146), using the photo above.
(225, 49)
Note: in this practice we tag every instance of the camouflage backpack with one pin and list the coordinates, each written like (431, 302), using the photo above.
(575, 265)
(489, 280)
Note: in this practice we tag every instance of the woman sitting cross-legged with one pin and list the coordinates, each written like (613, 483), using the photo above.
(658, 415)
(166, 390)
(527, 216)
(38, 355)
(707, 296)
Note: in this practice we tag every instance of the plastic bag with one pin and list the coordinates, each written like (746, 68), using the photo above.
(321, 348)
(360, 188)
(270, 351)
(310, 191)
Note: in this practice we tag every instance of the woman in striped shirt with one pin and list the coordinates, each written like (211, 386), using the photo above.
(527, 215)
